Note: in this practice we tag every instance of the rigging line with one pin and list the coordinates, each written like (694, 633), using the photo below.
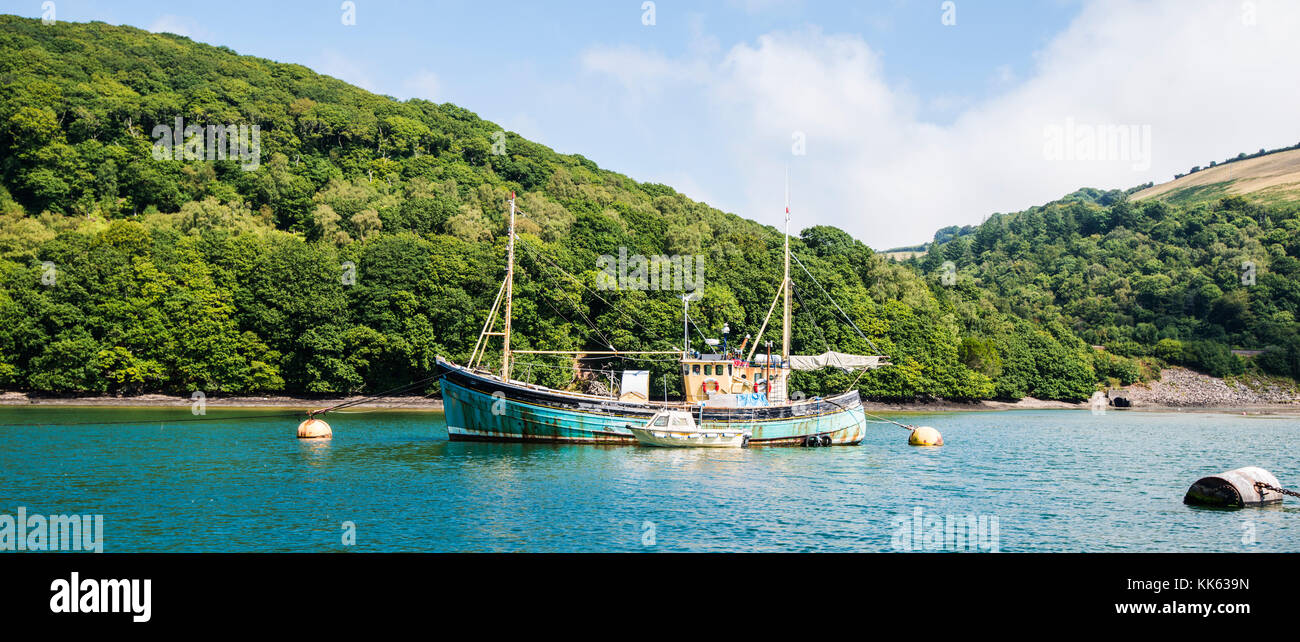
(837, 306)
(555, 367)
(803, 304)
(856, 379)
(588, 288)
(607, 342)
(697, 329)
(600, 357)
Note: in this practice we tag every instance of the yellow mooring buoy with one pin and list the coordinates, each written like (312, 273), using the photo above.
(925, 436)
(314, 428)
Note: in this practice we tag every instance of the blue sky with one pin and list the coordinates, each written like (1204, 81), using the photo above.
(908, 124)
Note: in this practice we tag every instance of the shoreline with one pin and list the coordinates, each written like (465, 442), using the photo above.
(20, 399)
(15, 399)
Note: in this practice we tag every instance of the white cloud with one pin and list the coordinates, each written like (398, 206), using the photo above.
(1207, 84)
(179, 25)
(762, 6)
(524, 125)
(345, 68)
(424, 84)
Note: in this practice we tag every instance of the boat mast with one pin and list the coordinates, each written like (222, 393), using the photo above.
(785, 283)
(510, 289)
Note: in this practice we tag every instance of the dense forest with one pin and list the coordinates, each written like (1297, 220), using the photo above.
(370, 237)
(1149, 280)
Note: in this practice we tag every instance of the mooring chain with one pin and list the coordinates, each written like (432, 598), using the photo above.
(1260, 487)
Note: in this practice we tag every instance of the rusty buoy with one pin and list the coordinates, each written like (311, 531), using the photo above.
(314, 428)
(1234, 489)
(925, 436)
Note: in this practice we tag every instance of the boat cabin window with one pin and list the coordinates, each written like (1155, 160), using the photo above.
(661, 420)
(728, 369)
(679, 421)
(685, 370)
(695, 369)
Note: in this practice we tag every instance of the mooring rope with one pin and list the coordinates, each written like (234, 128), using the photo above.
(164, 420)
(172, 420)
(360, 400)
(889, 421)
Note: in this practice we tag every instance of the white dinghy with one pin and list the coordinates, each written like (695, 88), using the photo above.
(677, 429)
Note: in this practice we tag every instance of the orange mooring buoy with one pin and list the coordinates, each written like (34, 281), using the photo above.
(314, 428)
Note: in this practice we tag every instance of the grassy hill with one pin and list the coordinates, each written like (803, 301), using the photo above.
(369, 237)
(1270, 179)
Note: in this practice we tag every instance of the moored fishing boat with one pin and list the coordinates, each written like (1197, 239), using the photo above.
(727, 391)
(480, 406)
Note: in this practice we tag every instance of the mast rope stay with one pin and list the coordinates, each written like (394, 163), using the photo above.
(575, 279)
(837, 306)
(804, 304)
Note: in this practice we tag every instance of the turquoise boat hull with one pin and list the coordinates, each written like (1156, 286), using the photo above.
(481, 407)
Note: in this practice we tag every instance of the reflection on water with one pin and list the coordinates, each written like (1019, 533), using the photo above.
(1056, 481)
(314, 451)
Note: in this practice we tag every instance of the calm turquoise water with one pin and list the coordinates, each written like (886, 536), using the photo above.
(1059, 480)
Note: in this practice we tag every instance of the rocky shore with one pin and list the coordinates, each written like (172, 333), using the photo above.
(1181, 388)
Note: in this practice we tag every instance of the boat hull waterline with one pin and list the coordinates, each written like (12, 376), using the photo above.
(481, 407)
